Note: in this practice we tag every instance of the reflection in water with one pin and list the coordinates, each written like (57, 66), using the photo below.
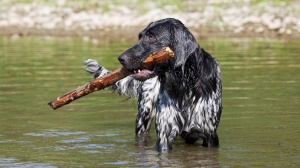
(181, 156)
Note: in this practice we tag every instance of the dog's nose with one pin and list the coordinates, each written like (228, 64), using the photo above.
(122, 59)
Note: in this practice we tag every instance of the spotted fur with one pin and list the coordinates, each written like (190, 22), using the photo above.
(185, 93)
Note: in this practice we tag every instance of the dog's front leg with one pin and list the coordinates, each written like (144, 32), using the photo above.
(169, 122)
(146, 105)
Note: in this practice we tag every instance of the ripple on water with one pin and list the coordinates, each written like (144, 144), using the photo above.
(107, 135)
(54, 133)
(12, 162)
(83, 146)
(90, 152)
(116, 163)
(94, 146)
(76, 140)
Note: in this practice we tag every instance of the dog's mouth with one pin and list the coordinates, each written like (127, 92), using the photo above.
(143, 74)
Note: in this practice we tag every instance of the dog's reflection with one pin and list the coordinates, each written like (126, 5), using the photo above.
(183, 155)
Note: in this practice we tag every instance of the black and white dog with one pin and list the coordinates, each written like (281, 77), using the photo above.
(183, 93)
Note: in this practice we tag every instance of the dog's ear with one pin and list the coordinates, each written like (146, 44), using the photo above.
(183, 44)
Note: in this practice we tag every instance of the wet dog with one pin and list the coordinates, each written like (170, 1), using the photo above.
(183, 94)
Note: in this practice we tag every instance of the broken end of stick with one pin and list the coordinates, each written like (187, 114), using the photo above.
(52, 105)
(171, 53)
(55, 104)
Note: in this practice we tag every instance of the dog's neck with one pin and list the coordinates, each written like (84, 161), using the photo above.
(194, 76)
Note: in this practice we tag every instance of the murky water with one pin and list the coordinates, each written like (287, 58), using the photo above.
(259, 125)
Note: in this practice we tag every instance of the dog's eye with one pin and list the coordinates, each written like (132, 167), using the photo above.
(151, 38)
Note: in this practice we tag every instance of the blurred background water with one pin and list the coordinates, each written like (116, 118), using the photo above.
(259, 125)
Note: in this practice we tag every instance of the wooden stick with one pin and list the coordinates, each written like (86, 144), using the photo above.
(109, 79)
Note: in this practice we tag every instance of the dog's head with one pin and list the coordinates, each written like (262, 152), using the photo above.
(162, 33)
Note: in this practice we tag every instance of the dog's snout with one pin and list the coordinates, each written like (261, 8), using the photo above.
(132, 58)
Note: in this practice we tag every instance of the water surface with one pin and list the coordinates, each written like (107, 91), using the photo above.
(259, 125)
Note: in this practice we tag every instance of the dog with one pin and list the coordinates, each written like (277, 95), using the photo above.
(183, 94)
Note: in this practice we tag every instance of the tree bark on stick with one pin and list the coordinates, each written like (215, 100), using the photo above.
(109, 79)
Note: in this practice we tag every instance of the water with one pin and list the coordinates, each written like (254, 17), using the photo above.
(259, 125)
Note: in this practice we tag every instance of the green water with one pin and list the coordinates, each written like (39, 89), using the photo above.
(259, 125)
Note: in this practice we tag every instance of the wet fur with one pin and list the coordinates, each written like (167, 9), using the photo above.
(185, 94)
